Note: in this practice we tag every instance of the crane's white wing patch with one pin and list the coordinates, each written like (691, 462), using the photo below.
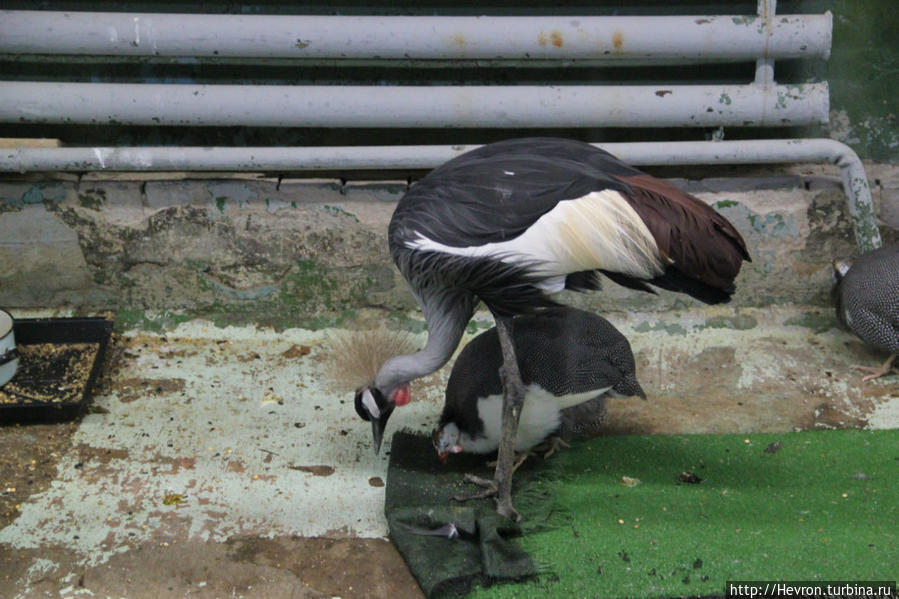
(597, 231)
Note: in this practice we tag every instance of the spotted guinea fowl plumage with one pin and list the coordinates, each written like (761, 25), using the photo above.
(570, 361)
(868, 299)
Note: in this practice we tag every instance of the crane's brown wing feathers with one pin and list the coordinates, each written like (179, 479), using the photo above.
(700, 243)
(496, 193)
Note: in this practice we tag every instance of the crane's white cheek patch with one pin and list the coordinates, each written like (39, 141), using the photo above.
(370, 404)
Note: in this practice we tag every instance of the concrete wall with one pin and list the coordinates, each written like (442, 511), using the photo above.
(254, 250)
(306, 253)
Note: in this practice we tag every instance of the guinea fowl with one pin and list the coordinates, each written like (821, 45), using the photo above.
(867, 302)
(511, 222)
(570, 361)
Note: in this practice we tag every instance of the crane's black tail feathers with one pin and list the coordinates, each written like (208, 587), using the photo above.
(671, 280)
(585, 280)
(674, 280)
(507, 289)
(629, 282)
(705, 251)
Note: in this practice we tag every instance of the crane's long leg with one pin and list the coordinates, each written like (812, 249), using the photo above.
(513, 399)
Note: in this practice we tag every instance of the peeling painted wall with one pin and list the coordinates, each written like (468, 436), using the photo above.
(294, 252)
(312, 254)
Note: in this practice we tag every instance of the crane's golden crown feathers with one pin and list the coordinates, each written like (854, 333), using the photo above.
(354, 357)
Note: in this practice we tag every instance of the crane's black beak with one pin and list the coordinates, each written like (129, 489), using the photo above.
(371, 405)
(377, 427)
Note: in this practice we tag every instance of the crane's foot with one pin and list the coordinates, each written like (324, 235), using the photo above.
(488, 484)
(875, 372)
(504, 508)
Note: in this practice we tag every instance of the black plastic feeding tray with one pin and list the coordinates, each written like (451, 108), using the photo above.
(59, 360)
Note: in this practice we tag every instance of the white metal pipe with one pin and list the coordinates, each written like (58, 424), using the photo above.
(524, 106)
(246, 159)
(764, 66)
(672, 39)
(772, 151)
(769, 151)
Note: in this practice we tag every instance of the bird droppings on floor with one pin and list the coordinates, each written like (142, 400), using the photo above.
(203, 436)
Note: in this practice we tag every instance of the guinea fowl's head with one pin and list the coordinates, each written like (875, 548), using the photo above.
(446, 440)
(356, 359)
(840, 268)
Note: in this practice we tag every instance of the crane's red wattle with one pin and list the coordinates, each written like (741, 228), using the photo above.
(401, 396)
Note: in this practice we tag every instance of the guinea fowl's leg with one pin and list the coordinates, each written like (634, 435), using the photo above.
(513, 399)
(552, 445)
(520, 459)
(876, 371)
(548, 448)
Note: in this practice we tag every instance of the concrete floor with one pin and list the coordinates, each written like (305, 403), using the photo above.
(222, 462)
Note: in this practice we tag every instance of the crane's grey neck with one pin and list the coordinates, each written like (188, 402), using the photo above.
(447, 313)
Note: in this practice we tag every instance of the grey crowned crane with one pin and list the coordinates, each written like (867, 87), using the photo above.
(570, 361)
(510, 223)
(867, 302)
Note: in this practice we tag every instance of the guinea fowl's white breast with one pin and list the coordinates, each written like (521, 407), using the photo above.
(540, 417)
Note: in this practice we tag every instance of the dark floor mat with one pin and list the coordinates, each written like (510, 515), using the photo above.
(419, 500)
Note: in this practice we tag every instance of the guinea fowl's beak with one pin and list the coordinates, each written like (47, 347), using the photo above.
(377, 427)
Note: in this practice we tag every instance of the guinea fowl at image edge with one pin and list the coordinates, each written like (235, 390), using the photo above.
(867, 302)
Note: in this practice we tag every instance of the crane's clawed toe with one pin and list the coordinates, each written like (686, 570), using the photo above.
(504, 508)
(488, 484)
(508, 510)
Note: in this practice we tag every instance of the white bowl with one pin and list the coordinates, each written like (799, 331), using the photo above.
(9, 358)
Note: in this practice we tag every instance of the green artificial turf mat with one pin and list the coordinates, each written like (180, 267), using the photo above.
(798, 506)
